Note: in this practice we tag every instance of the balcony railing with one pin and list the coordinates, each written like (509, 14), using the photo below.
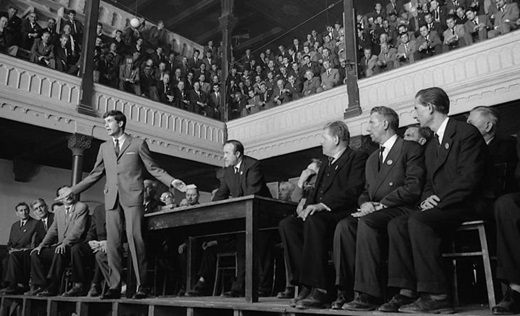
(32, 94)
(487, 73)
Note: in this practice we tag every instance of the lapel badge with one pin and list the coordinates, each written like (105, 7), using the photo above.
(447, 146)
(336, 168)
(241, 172)
(389, 162)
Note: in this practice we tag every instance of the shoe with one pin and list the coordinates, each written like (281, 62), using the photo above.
(510, 304)
(233, 293)
(94, 290)
(426, 304)
(264, 293)
(395, 303)
(288, 293)
(15, 290)
(362, 302)
(200, 289)
(77, 290)
(340, 301)
(142, 292)
(304, 292)
(317, 299)
(111, 294)
(48, 292)
(35, 289)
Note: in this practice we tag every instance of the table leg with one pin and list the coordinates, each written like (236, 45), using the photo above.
(251, 286)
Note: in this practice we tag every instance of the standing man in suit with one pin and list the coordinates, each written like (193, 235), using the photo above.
(307, 237)
(455, 166)
(75, 26)
(394, 180)
(505, 18)
(25, 234)
(243, 175)
(69, 228)
(123, 160)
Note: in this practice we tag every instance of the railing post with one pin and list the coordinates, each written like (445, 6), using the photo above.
(227, 22)
(349, 23)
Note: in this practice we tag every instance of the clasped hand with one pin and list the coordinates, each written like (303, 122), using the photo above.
(430, 202)
(310, 210)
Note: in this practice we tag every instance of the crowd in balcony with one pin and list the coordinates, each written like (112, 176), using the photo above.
(140, 60)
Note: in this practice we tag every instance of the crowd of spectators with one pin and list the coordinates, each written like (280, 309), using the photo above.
(140, 60)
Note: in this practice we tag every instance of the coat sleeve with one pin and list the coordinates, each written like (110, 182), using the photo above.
(80, 225)
(223, 191)
(97, 173)
(255, 179)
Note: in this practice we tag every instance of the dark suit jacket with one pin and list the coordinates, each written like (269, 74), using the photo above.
(124, 173)
(28, 29)
(98, 229)
(251, 181)
(502, 152)
(71, 232)
(28, 236)
(77, 31)
(401, 177)
(456, 176)
(50, 220)
(340, 191)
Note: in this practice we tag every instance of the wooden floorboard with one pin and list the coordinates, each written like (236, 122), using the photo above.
(265, 306)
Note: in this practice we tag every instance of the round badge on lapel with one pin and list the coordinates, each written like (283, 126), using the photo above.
(241, 172)
(447, 146)
(389, 162)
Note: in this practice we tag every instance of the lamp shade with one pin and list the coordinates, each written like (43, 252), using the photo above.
(134, 22)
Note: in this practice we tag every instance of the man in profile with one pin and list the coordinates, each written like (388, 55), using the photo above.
(123, 159)
(307, 236)
(418, 134)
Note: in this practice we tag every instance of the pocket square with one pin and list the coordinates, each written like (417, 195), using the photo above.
(131, 153)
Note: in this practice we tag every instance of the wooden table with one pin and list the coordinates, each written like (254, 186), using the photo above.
(253, 212)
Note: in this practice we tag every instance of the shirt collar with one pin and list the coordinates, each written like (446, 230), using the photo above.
(337, 155)
(121, 139)
(237, 166)
(442, 129)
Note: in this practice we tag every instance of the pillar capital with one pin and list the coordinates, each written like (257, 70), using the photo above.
(77, 143)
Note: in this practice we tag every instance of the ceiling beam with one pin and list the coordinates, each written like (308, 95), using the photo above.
(203, 38)
(188, 13)
(266, 12)
(261, 37)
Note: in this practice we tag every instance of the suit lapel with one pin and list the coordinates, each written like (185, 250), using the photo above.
(334, 168)
(389, 162)
(126, 144)
(445, 146)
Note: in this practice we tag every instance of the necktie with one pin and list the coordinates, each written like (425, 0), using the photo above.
(67, 213)
(45, 224)
(380, 160)
(22, 223)
(116, 147)
(236, 170)
(331, 159)
(438, 144)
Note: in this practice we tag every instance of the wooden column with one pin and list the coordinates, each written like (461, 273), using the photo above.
(227, 22)
(87, 57)
(77, 144)
(349, 23)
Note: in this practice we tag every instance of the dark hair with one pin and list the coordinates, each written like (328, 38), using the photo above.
(451, 17)
(72, 12)
(339, 129)
(437, 97)
(118, 116)
(237, 146)
(21, 204)
(473, 9)
(389, 114)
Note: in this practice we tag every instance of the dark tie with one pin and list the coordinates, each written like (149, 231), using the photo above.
(236, 170)
(437, 144)
(380, 159)
(116, 147)
(22, 224)
(45, 224)
(331, 159)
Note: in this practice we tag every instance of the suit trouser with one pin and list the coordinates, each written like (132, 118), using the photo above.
(131, 218)
(306, 246)
(507, 215)
(82, 259)
(58, 263)
(360, 245)
(414, 258)
(102, 264)
(18, 267)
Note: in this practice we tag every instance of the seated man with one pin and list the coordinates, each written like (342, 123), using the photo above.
(507, 216)
(42, 51)
(455, 36)
(428, 44)
(285, 190)
(406, 50)
(394, 179)
(477, 26)
(306, 237)
(68, 228)
(168, 199)
(330, 77)
(64, 58)
(151, 204)
(455, 163)
(25, 234)
(312, 85)
(368, 64)
(418, 134)
(505, 18)
(129, 77)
